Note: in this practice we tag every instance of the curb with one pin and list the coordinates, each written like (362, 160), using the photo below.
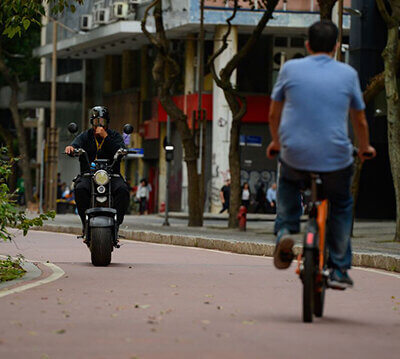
(360, 259)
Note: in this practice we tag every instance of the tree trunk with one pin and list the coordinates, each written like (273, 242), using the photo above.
(8, 139)
(195, 208)
(165, 72)
(237, 103)
(393, 116)
(24, 162)
(392, 96)
(325, 8)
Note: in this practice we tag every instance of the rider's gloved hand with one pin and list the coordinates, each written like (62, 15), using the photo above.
(100, 131)
(69, 150)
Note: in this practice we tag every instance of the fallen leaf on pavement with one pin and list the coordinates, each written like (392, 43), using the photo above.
(61, 331)
(248, 322)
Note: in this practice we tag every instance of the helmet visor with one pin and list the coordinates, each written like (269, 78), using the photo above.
(99, 121)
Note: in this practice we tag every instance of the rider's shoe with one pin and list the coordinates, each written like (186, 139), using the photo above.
(339, 279)
(283, 254)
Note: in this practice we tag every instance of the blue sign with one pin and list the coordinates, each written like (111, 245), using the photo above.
(254, 141)
(136, 153)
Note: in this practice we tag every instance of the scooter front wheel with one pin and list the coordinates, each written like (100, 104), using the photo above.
(101, 245)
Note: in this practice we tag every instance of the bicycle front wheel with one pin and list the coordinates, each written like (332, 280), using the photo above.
(308, 285)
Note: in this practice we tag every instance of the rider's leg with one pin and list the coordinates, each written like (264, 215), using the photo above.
(289, 208)
(287, 221)
(82, 197)
(337, 185)
(121, 197)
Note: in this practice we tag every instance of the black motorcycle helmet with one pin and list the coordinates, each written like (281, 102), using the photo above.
(99, 112)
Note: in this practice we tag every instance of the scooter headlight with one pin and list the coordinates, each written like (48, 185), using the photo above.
(101, 177)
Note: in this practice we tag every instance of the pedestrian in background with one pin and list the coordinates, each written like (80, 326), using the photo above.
(271, 197)
(246, 195)
(143, 195)
(224, 195)
(261, 199)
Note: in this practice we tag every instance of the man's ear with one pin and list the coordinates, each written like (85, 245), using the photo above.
(308, 47)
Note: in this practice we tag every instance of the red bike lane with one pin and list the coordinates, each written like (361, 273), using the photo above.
(157, 301)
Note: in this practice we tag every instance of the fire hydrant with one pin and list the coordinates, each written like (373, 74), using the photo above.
(162, 207)
(242, 218)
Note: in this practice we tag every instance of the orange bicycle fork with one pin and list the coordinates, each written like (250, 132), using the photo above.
(316, 232)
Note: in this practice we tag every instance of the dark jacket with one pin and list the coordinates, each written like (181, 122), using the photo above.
(112, 143)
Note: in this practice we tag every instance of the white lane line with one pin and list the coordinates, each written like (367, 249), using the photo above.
(382, 271)
(57, 273)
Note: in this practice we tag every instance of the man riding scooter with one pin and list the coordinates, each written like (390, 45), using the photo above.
(99, 142)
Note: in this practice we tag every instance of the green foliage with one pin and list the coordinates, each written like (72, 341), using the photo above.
(16, 16)
(10, 215)
(11, 268)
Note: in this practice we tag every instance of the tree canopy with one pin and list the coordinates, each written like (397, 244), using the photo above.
(16, 16)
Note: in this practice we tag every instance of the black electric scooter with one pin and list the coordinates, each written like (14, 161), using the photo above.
(101, 228)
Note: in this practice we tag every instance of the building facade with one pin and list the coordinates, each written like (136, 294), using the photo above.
(112, 60)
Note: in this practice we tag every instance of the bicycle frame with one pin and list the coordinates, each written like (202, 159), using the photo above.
(314, 254)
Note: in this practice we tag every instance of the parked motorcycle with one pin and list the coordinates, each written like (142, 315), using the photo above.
(101, 227)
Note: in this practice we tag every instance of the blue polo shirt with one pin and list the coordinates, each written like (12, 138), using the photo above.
(317, 92)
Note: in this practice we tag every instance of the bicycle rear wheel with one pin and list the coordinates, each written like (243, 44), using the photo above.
(308, 285)
(319, 299)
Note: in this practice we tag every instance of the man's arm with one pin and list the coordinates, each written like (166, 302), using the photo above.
(221, 196)
(78, 142)
(361, 132)
(275, 112)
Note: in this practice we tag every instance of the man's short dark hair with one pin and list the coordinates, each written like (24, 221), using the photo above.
(322, 36)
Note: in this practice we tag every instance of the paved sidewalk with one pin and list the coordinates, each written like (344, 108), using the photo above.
(372, 242)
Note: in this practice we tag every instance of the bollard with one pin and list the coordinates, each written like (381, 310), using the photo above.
(242, 218)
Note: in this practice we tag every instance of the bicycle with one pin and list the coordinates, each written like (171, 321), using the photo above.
(312, 262)
(312, 266)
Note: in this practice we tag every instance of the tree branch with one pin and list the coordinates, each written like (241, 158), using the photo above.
(234, 62)
(384, 13)
(150, 36)
(223, 47)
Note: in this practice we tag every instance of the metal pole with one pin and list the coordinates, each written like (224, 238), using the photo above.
(54, 77)
(166, 222)
(340, 26)
(41, 180)
(53, 145)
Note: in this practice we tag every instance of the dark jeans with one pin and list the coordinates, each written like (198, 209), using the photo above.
(336, 188)
(142, 204)
(225, 206)
(120, 193)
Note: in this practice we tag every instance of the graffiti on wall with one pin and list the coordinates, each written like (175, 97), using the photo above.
(256, 178)
(218, 176)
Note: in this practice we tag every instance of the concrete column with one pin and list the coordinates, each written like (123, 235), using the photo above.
(190, 82)
(222, 118)
(128, 63)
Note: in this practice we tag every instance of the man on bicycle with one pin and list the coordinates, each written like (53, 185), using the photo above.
(308, 124)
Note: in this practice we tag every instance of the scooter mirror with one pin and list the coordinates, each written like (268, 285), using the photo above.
(128, 129)
(73, 128)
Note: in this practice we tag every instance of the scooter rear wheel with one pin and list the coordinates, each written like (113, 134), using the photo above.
(101, 245)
